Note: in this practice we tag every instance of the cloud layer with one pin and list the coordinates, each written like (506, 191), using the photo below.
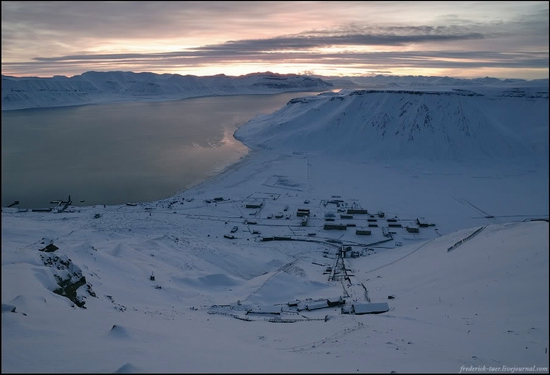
(333, 38)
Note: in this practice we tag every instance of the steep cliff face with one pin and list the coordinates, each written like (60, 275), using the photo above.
(381, 124)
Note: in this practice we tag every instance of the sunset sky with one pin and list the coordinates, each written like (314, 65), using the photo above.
(466, 39)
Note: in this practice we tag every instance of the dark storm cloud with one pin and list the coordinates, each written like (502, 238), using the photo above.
(276, 49)
(298, 42)
(311, 42)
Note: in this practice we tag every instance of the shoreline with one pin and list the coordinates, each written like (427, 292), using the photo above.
(179, 181)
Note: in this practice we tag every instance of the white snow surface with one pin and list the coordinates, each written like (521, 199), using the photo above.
(468, 292)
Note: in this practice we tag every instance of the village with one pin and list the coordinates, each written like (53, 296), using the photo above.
(337, 230)
(343, 228)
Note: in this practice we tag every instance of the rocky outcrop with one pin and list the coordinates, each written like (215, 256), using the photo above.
(68, 276)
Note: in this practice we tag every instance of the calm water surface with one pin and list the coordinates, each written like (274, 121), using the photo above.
(123, 152)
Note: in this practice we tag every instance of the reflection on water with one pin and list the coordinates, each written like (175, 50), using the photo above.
(116, 153)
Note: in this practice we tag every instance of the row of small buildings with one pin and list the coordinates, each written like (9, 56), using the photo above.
(357, 308)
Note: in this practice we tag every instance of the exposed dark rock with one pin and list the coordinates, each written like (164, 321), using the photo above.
(68, 277)
(50, 248)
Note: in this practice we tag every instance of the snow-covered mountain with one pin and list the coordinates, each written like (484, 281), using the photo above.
(389, 81)
(466, 123)
(117, 86)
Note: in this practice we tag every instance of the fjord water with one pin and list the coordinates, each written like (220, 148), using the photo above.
(123, 152)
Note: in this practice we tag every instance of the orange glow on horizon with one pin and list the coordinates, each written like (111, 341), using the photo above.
(243, 68)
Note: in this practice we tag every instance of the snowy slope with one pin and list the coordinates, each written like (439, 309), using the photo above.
(483, 303)
(101, 87)
(454, 124)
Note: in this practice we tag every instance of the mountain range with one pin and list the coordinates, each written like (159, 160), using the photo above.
(117, 86)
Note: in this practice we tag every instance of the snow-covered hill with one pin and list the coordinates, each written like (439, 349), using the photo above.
(448, 123)
(102, 87)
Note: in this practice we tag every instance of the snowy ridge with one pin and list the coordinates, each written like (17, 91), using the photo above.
(101, 87)
(381, 81)
(451, 124)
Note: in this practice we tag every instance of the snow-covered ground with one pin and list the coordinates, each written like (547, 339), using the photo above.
(229, 276)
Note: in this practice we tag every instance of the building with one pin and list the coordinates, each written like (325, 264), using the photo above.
(422, 222)
(370, 308)
(316, 305)
(48, 209)
(269, 310)
(335, 226)
(335, 301)
(363, 232)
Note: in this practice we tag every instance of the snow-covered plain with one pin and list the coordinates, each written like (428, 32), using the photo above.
(230, 277)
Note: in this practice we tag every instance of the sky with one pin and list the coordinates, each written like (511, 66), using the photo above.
(466, 39)
(467, 294)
